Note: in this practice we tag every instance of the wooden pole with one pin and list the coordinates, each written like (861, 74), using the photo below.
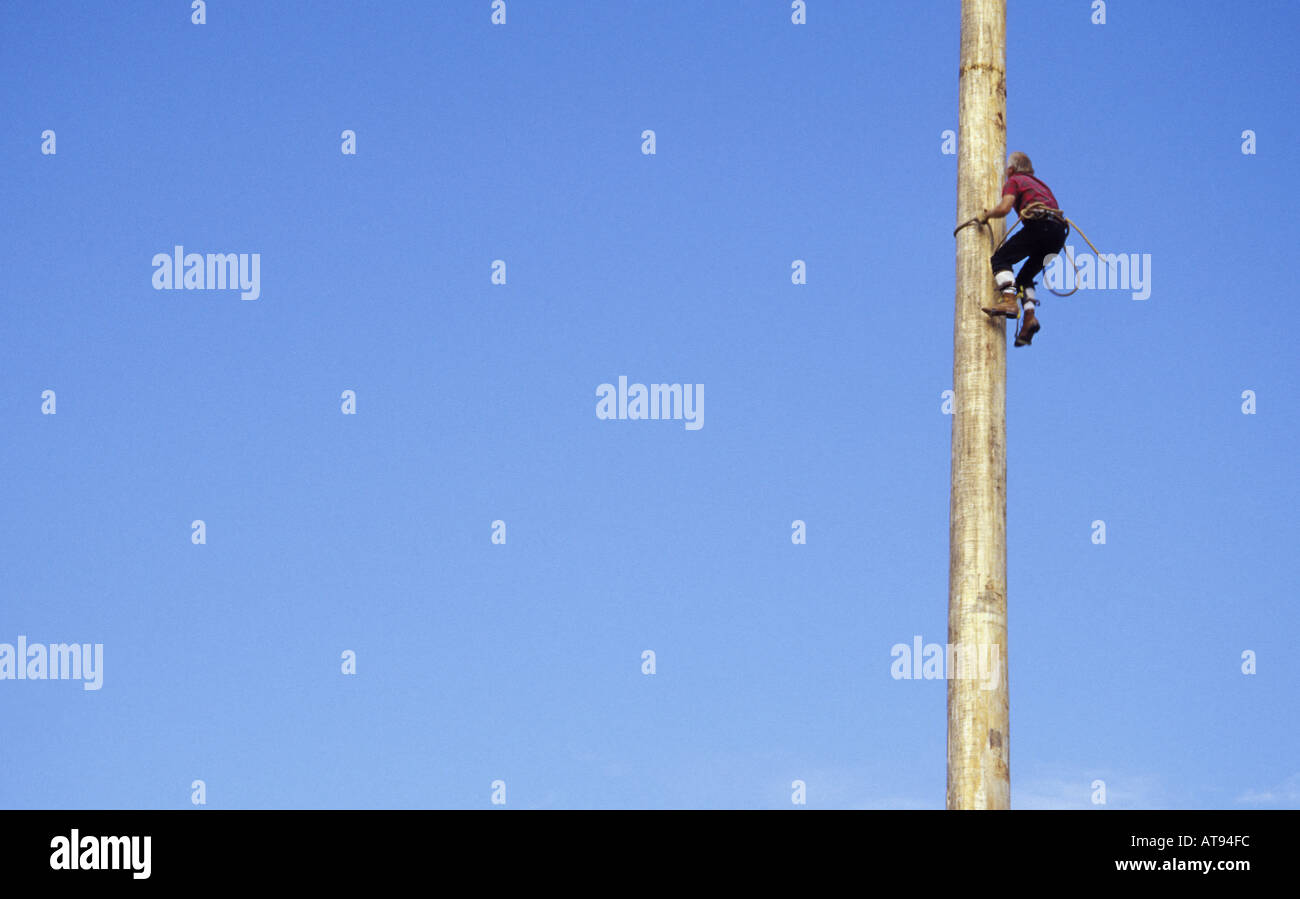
(978, 714)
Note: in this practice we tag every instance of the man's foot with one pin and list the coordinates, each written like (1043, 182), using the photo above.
(1028, 328)
(1006, 305)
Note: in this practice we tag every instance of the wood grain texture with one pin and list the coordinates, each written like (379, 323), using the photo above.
(978, 717)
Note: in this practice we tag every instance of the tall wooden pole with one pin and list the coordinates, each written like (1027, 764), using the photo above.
(978, 714)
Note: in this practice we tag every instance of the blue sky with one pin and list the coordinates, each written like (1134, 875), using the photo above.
(476, 402)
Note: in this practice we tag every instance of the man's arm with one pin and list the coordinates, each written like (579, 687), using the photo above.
(1005, 205)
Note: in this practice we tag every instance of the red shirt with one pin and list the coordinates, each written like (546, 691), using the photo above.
(1028, 189)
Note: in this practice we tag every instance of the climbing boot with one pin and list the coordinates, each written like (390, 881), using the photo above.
(1007, 305)
(1028, 328)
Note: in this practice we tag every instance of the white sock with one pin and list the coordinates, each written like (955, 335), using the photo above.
(1004, 280)
(1029, 305)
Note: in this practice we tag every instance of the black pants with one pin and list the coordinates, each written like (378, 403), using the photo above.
(1034, 242)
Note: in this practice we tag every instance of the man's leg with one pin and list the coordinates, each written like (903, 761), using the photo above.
(1045, 238)
(1048, 237)
(1011, 252)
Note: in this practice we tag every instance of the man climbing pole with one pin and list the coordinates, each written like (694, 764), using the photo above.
(1042, 236)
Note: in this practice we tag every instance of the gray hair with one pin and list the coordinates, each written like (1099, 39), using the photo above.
(1019, 162)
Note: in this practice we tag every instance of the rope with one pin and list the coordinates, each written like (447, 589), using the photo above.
(1031, 212)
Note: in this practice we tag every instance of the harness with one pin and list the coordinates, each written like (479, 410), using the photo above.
(1039, 211)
